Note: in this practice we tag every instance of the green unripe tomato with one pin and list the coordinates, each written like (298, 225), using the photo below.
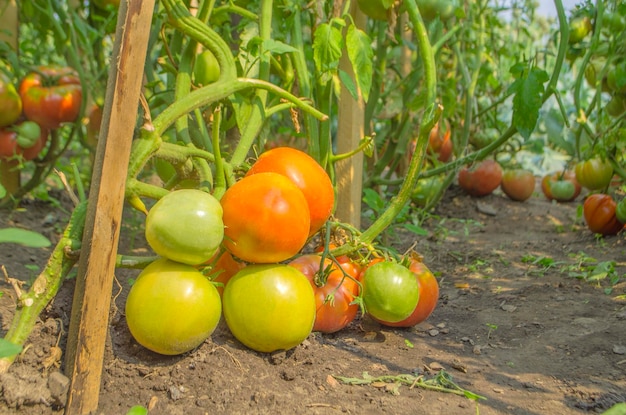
(185, 226)
(206, 68)
(390, 291)
(172, 308)
(579, 28)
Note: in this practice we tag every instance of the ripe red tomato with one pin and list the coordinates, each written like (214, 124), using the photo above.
(305, 173)
(10, 147)
(440, 143)
(518, 184)
(269, 307)
(334, 292)
(223, 269)
(10, 102)
(561, 186)
(185, 226)
(428, 296)
(594, 174)
(390, 291)
(172, 308)
(51, 96)
(481, 179)
(266, 218)
(599, 213)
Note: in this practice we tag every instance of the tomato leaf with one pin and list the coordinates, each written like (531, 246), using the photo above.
(361, 55)
(277, 47)
(347, 81)
(528, 89)
(327, 45)
(8, 349)
(24, 237)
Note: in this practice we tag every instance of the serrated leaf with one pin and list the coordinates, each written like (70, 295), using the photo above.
(529, 90)
(327, 45)
(361, 55)
(24, 237)
(8, 349)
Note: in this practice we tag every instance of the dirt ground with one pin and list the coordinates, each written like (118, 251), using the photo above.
(512, 325)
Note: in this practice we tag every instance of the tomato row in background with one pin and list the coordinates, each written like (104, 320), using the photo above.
(603, 215)
(46, 98)
(251, 242)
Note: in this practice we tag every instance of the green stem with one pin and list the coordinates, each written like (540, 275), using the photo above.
(220, 179)
(45, 287)
(429, 119)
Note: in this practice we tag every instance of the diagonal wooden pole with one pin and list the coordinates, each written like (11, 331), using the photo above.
(92, 297)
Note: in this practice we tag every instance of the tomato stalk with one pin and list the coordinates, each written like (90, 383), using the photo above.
(45, 287)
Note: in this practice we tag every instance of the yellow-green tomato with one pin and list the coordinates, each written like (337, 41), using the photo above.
(594, 174)
(269, 307)
(172, 308)
(206, 68)
(185, 226)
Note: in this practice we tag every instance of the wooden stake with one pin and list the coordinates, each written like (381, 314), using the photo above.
(349, 172)
(92, 296)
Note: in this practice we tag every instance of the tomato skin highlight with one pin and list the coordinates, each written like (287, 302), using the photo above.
(428, 296)
(390, 291)
(599, 213)
(269, 307)
(266, 218)
(331, 315)
(305, 173)
(52, 105)
(185, 226)
(481, 179)
(172, 308)
(518, 184)
(594, 174)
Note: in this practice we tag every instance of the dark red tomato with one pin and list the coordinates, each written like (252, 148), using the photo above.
(10, 102)
(51, 96)
(9, 146)
(266, 218)
(594, 174)
(440, 143)
(561, 186)
(334, 292)
(481, 179)
(93, 125)
(599, 213)
(428, 296)
(518, 184)
(222, 269)
(305, 173)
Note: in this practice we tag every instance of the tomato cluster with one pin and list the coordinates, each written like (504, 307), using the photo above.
(244, 256)
(45, 98)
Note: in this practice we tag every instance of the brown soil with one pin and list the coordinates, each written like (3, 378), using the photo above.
(531, 339)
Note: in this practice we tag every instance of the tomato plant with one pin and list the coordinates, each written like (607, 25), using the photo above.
(620, 211)
(334, 292)
(518, 184)
(431, 9)
(594, 174)
(481, 179)
(51, 96)
(185, 226)
(599, 213)
(580, 27)
(428, 296)
(269, 307)
(390, 291)
(206, 69)
(13, 142)
(426, 190)
(10, 102)
(305, 173)
(266, 218)
(561, 186)
(375, 9)
(106, 4)
(172, 308)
